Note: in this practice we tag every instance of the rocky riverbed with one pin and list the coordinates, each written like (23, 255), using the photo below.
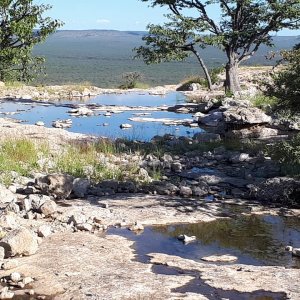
(54, 242)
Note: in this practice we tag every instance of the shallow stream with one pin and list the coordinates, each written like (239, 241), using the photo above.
(30, 112)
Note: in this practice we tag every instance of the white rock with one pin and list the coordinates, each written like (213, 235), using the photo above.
(10, 264)
(186, 239)
(40, 123)
(44, 230)
(20, 241)
(15, 276)
(125, 126)
(220, 258)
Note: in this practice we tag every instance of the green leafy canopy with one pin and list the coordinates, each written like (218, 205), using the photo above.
(22, 26)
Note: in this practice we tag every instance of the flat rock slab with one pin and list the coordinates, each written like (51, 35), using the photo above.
(220, 258)
(85, 266)
(245, 281)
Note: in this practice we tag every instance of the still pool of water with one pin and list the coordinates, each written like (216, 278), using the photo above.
(255, 240)
(31, 112)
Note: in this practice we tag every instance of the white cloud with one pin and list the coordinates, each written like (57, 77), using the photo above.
(103, 21)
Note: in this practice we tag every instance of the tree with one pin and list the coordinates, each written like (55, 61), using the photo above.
(243, 26)
(22, 26)
(285, 84)
(173, 41)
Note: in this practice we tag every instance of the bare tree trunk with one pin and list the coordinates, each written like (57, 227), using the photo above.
(205, 70)
(232, 82)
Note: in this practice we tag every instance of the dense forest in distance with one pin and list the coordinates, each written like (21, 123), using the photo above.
(102, 56)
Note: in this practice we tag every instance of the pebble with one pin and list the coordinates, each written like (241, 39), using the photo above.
(15, 276)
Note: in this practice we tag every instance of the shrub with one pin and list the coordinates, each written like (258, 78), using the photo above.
(286, 83)
(132, 80)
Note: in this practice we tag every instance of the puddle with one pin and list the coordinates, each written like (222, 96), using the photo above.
(31, 112)
(255, 240)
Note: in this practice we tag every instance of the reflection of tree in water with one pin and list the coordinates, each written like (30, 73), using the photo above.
(248, 234)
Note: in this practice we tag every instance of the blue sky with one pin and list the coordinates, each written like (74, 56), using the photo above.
(111, 14)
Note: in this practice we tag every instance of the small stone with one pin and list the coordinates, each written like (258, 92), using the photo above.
(80, 187)
(40, 123)
(48, 208)
(125, 126)
(185, 191)
(31, 292)
(44, 231)
(10, 264)
(136, 227)
(78, 218)
(15, 277)
(85, 227)
(27, 280)
(186, 239)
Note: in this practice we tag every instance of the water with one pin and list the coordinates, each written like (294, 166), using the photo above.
(30, 112)
(254, 240)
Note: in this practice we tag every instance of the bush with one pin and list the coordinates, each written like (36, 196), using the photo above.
(288, 154)
(286, 83)
(133, 80)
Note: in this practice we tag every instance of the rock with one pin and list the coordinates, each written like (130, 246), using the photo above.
(15, 277)
(37, 201)
(214, 119)
(245, 116)
(81, 111)
(48, 208)
(6, 195)
(185, 191)
(85, 227)
(2, 253)
(59, 186)
(281, 190)
(10, 264)
(136, 227)
(201, 189)
(78, 218)
(239, 157)
(8, 220)
(176, 167)
(27, 280)
(19, 242)
(26, 204)
(6, 294)
(80, 187)
(220, 258)
(125, 126)
(44, 231)
(62, 123)
(163, 188)
(40, 123)
(186, 239)
(204, 137)
(295, 251)
(256, 132)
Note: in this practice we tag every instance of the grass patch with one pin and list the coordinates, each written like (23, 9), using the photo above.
(264, 102)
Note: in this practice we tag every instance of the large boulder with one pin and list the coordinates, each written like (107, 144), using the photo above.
(20, 241)
(245, 116)
(214, 119)
(278, 190)
(57, 185)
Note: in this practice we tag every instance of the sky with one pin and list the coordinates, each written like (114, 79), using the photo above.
(112, 14)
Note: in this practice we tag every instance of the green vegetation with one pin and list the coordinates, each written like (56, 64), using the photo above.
(264, 102)
(22, 26)
(286, 83)
(133, 80)
(241, 29)
(288, 154)
(86, 160)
